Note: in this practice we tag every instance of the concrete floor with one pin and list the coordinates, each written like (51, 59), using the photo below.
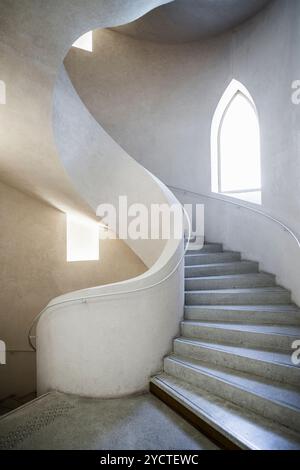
(59, 421)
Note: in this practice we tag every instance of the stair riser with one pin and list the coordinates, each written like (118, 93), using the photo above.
(241, 397)
(238, 338)
(185, 403)
(272, 371)
(237, 298)
(207, 249)
(219, 270)
(254, 432)
(243, 281)
(241, 316)
(211, 258)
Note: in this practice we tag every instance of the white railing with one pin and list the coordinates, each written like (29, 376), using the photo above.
(84, 299)
(244, 206)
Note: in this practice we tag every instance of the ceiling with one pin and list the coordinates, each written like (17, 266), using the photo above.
(190, 20)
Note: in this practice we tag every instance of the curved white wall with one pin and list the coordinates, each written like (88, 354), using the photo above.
(33, 44)
(172, 92)
(109, 346)
(99, 168)
(79, 169)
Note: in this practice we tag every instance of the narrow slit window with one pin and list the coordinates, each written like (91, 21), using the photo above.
(2, 92)
(82, 240)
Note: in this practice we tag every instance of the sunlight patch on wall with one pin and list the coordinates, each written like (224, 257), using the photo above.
(85, 42)
(82, 239)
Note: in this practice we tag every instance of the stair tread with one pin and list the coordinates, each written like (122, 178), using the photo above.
(256, 314)
(206, 258)
(217, 246)
(246, 308)
(289, 330)
(214, 254)
(230, 276)
(212, 244)
(238, 290)
(226, 263)
(259, 354)
(245, 428)
(270, 390)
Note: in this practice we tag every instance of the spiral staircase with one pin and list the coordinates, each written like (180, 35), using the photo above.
(230, 372)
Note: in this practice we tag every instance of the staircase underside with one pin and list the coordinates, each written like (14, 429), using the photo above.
(231, 372)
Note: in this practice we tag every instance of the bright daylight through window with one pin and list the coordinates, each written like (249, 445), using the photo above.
(85, 42)
(2, 92)
(236, 162)
(82, 240)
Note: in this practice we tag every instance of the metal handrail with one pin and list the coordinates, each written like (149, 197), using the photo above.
(108, 294)
(252, 209)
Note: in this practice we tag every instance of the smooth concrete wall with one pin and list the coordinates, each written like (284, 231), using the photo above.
(35, 36)
(34, 270)
(158, 100)
(99, 168)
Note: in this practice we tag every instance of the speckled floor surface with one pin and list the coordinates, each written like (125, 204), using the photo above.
(59, 421)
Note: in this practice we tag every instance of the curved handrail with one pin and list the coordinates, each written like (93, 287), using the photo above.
(108, 294)
(252, 209)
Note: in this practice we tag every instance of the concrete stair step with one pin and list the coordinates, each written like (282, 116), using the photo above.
(231, 281)
(279, 337)
(252, 296)
(241, 427)
(207, 248)
(275, 401)
(193, 259)
(274, 365)
(260, 314)
(218, 269)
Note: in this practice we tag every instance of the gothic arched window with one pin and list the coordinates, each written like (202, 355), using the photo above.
(236, 166)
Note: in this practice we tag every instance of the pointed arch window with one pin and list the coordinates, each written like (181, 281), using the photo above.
(235, 140)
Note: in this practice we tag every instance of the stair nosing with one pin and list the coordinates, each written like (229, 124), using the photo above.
(213, 253)
(295, 308)
(207, 324)
(239, 439)
(243, 388)
(219, 348)
(224, 263)
(235, 290)
(228, 276)
(209, 418)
